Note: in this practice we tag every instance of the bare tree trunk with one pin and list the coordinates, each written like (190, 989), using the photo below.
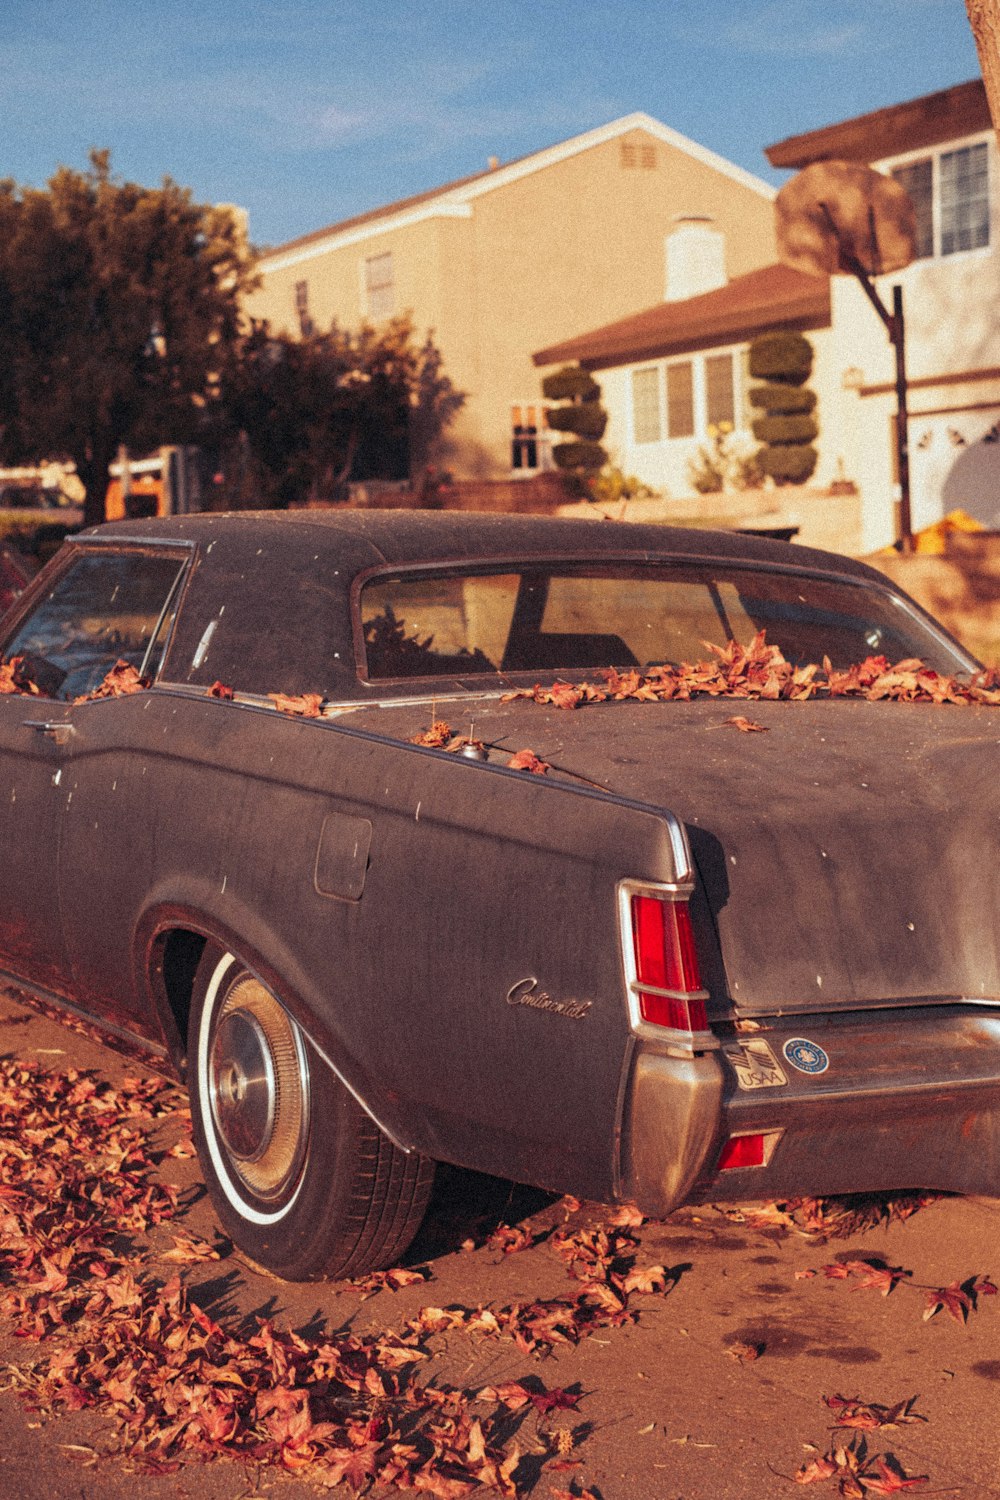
(984, 18)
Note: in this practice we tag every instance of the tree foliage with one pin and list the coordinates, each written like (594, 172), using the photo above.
(308, 414)
(117, 305)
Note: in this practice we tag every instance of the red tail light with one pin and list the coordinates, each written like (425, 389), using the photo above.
(742, 1151)
(665, 959)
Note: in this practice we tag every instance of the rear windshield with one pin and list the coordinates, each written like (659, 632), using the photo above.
(566, 617)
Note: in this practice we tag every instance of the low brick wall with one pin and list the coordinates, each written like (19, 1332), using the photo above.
(961, 588)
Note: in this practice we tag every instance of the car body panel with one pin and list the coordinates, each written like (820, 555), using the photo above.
(447, 930)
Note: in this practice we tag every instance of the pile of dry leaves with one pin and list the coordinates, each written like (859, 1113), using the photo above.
(76, 1180)
(759, 671)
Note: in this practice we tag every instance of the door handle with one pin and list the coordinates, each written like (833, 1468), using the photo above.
(57, 728)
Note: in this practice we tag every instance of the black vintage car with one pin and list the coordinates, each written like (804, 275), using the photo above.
(270, 808)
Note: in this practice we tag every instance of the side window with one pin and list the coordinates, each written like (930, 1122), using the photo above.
(107, 607)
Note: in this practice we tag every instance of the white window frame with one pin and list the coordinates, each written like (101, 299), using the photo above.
(543, 439)
(699, 394)
(934, 154)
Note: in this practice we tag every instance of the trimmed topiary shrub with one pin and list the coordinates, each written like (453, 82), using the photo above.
(791, 464)
(588, 420)
(782, 398)
(589, 457)
(583, 416)
(571, 383)
(798, 427)
(787, 427)
(783, 356)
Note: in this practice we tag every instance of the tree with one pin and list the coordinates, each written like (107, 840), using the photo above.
(117, 305)
(313, 412)
(984, 18)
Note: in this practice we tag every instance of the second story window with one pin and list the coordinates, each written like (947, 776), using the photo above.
(951, 199)
(302, 308)
(379, 286)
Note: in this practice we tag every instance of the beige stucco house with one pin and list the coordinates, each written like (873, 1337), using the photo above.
(670, 371)
(522, 255)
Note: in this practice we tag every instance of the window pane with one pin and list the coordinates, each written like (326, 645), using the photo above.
(916, 179)
(646, 405)
(104, 609)
(379, 285)
(565, 617)
(965, 208)
(719, 388)
(680, 400)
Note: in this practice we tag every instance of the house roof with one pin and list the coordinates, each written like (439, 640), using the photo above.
(771, 297)
(927, 121)
(455, 199)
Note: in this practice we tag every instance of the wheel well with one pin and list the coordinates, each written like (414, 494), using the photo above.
(177, 961)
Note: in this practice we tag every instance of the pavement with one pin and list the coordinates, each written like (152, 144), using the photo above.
(717, 1390)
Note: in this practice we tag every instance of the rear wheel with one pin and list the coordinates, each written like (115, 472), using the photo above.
(301, 1178)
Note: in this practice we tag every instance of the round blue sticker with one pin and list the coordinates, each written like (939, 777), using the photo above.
(807, 1056)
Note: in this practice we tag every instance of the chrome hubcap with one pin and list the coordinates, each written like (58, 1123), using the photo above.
(259, 1088)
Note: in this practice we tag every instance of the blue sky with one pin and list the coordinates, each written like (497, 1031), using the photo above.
(307, 111)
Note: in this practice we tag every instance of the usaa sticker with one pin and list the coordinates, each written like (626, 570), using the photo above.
(806, 1056)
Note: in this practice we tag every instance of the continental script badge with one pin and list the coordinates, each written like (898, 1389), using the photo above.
(755, 1065)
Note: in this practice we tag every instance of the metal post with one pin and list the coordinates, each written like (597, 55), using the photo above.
(897, 332)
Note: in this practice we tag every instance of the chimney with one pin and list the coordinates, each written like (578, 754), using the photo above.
(492, 163)
(695, 257)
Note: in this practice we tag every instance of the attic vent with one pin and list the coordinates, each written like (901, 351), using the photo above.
(638, 154)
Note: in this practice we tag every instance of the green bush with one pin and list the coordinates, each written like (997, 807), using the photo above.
(571, 383)
(782, 398)
(588, 420)
(781, 356)
(798, 428)
(589, 456)
(790, 464)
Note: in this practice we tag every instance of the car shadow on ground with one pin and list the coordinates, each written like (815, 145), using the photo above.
(471, 1206)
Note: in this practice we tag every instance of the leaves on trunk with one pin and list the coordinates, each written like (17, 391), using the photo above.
(300, 705)
(761, 672)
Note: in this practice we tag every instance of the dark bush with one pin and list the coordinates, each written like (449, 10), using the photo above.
(783, 356)
(586, 421)
(789, 464)
(571, 383)
(798, 428)
(782, 398)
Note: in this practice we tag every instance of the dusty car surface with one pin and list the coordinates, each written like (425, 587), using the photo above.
(407, 838)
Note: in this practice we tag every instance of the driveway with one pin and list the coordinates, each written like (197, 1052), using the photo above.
(535, 1344)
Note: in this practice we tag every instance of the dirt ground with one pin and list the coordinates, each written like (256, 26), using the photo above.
(714, 1384)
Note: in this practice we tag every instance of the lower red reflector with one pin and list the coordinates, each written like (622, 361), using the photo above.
(742, 1151)
(668, 1010)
